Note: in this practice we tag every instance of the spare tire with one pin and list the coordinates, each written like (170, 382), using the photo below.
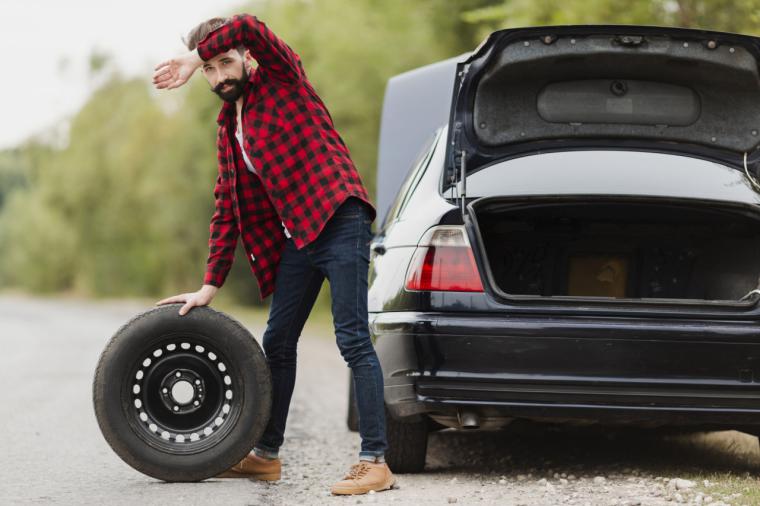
(182, 398)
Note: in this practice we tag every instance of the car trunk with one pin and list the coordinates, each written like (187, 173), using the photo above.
(618, 248)
(528, 90)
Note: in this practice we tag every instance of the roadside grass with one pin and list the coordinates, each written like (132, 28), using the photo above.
(729, 465)
(733, 489)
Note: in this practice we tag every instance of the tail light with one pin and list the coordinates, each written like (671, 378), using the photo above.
(444, 261)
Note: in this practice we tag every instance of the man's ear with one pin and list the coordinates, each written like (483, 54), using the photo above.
(249, 61)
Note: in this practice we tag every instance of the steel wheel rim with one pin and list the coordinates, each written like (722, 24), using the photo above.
(182, 394)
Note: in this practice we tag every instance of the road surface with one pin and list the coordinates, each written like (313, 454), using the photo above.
(53, 452)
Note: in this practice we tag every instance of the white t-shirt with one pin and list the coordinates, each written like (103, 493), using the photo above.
(239, 137)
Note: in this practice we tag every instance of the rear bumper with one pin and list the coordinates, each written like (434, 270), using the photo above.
(616, 370)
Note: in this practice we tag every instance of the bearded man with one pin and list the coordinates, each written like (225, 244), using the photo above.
(288, 188)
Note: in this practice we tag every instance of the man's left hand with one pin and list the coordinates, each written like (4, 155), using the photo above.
(177, 71)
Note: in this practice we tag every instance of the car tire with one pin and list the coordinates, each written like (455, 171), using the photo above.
(407, 444)
(352, 416)
(182, 398)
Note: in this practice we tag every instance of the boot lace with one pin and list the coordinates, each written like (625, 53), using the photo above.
(358, 471)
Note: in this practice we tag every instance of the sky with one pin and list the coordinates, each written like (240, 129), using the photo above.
(47, 46)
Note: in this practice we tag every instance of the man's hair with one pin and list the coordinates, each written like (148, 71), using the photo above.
(200, 32)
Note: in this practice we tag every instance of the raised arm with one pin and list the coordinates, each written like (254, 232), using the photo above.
(271, 52)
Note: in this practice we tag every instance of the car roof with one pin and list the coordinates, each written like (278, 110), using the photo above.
(416, 104)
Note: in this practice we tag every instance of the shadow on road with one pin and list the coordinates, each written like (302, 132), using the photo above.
(591, 451)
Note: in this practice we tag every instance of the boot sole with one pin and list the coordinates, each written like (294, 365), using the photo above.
(260, 477)
(363, 490)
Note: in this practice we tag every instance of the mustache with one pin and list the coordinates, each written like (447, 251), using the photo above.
(231, 82)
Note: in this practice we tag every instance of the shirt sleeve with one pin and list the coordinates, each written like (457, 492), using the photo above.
(271, 52)
(223, 230)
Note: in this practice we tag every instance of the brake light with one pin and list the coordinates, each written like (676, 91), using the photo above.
(444, 261)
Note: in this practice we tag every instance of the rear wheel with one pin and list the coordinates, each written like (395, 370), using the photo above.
(182, 398)
(407, 444)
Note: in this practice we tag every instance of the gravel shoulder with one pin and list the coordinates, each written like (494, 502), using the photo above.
(53, 452)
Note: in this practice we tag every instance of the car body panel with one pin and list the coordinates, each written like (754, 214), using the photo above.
(599, 364)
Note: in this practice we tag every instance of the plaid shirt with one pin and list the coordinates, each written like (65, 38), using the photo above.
(304, 170)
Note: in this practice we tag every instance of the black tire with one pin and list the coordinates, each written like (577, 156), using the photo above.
(182, 398)
(352, 416)
(407, 444)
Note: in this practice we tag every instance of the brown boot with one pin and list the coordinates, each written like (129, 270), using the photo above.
(253, 466)
(363, 477)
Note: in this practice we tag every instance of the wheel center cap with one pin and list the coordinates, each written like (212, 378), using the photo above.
(183, 392)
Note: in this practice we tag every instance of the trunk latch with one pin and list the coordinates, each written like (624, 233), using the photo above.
(629, 40)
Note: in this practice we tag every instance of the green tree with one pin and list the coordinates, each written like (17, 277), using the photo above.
(124, 207)
(724, 15)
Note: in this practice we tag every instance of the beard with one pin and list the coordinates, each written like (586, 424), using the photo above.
(236, 89)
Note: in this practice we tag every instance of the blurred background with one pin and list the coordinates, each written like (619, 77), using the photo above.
(106, 184)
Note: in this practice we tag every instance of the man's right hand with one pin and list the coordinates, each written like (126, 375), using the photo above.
(176, 72)
(191, 299)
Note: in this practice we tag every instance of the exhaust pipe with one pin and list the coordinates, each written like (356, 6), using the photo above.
(468, 420)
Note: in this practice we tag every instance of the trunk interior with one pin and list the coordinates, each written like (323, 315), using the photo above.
(623, 249)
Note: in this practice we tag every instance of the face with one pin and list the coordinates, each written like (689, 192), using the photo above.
(227, 74)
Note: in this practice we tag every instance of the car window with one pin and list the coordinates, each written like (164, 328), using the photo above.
(609, 172)
(418, 174)
(410, 181)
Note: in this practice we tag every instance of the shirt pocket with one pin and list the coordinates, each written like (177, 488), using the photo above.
(263, 120)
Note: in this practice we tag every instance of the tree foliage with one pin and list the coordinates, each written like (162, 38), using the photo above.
(123, 208)
(741, 16)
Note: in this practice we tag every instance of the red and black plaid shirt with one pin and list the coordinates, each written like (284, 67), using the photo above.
(304, 170)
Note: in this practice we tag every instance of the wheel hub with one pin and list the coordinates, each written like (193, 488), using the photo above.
(182, 391)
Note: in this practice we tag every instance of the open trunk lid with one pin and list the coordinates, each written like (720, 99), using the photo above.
(526, 90)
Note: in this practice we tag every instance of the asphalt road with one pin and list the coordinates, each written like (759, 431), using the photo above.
(53, 452)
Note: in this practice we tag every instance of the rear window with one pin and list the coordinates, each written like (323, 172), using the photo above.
(610, 172)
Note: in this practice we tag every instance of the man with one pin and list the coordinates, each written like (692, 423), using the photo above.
(288, 188)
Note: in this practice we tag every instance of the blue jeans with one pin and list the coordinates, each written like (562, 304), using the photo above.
(341, 254)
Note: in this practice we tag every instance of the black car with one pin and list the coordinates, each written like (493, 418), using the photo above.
(579, 238)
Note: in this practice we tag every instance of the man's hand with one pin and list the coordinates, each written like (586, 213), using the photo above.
(200, 298)
(176, 72)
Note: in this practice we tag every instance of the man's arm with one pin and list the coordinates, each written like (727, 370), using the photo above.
(223, 231)
(223, 235)
(271, 52)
